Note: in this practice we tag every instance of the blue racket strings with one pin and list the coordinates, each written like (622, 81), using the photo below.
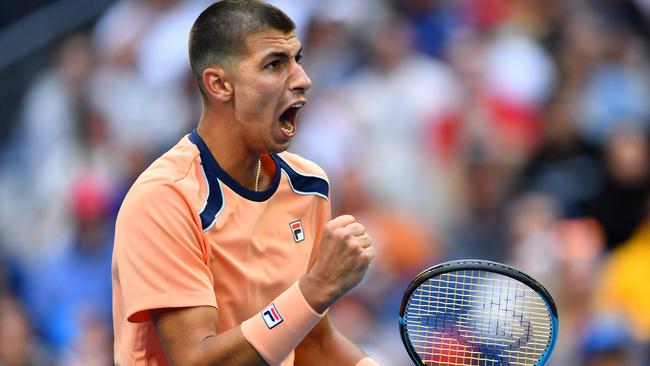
(472, 317)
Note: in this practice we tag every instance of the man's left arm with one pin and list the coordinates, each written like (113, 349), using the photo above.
(325, 346)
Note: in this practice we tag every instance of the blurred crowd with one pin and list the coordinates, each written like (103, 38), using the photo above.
(507, 130)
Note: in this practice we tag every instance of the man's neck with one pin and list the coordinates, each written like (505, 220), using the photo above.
(233, 155)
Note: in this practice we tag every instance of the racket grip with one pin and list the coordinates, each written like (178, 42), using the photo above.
(367, 361)
(281, 326)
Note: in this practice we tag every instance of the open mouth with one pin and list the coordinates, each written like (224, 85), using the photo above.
(288, 119)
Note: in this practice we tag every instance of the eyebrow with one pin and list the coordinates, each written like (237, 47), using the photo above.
(282, 55)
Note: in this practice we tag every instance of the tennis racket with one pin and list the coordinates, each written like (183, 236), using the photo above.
(474, 312)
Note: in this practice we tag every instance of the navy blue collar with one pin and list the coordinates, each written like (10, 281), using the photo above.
(214, 171)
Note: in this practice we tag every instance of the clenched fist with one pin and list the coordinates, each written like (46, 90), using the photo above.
(343, 258)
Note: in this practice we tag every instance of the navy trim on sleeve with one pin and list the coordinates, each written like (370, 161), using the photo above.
(213, 205)
(304, 184)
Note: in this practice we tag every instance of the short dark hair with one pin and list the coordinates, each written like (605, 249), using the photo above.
(219, 33)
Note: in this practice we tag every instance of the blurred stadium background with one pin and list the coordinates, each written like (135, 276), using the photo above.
(510, 130)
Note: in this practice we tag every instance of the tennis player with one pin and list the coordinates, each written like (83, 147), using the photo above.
(225, 253)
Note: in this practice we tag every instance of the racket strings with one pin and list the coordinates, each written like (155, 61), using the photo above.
(477, 318)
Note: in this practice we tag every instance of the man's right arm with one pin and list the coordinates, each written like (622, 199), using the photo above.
(189, 336)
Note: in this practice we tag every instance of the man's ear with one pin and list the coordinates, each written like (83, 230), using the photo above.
(215, 84)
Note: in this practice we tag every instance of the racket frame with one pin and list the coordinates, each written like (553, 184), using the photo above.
(478, 265)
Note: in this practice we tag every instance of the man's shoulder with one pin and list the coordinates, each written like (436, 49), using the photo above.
(173, 173)
(173, 166)
(304, 176)
(302, 165)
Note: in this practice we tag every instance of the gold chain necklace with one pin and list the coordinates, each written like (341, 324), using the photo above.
(257, 176)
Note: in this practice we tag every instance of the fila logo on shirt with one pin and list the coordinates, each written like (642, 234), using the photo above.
(271, 316)
(296, 230)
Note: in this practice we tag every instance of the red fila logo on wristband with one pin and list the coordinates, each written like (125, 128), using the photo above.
(296, 230)
(271, 316)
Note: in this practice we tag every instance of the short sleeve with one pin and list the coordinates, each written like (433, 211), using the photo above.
(160, 258)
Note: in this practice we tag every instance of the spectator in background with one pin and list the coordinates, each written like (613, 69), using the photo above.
(622, 287)
(620, 204)
(12, 276)
(142, 84)
(532, 219)
(71, 293)
(573, 256)
(616, 89)
(607, 342)
(18, 345)
(432, 21)
(396, 99)
(330, 135)
(334, 52)
(516, 80)
(480, 231)
(94, 345)
(47, 151)
(564, 166)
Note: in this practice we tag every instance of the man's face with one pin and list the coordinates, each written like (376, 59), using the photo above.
(269, 86)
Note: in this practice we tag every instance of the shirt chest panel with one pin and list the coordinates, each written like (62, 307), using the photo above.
(258, 249)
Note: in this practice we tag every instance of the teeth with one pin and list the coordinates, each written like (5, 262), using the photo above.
(298, 105)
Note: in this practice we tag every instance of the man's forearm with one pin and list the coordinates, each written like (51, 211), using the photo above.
(190, 337)
(326, 346)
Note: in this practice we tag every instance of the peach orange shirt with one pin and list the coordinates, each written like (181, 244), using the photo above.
(188, 235)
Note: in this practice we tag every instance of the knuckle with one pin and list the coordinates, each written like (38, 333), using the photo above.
(366, 239)
(349, 217)
(350, 243)
(343, 234)
(329, 226)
